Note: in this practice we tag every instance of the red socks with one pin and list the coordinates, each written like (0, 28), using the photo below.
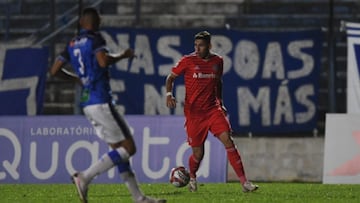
(234, 159)
(236, 163)
(194, 165)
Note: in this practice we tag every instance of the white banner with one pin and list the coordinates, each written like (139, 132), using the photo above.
(353, 63)
(342, 149)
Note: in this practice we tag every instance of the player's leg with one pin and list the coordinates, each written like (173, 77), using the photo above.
(195, 160)
(220, 127)
(124, 167)
(100, 117)
(113, 129)
(194, 164)
(233, 155)
(107, 129)
(123, 163)
(236, 162)
(197, 131)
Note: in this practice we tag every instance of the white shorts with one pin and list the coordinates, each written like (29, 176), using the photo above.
(109, 125)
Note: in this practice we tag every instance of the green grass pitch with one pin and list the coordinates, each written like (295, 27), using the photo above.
(207, 193)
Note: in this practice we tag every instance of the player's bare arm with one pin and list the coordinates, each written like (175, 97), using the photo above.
(105, 59)
(57, 70)
(219, 90)
(58, 64)
(170, 99)
(219, 94)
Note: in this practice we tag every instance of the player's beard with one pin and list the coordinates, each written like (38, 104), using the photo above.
(203, 55)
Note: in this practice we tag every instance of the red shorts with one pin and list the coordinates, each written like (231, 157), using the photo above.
(197, 127)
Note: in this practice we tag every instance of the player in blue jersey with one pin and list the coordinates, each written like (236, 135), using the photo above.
(90, 59)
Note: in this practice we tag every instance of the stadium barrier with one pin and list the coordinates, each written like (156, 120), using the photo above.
(281, 159)
(342, 151)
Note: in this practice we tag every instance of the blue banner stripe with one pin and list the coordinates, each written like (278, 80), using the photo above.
(30, 72)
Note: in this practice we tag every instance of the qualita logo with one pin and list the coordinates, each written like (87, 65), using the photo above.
(11, 166)
(204, 75)
(43, 150)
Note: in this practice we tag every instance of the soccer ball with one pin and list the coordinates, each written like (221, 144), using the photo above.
(179, 176)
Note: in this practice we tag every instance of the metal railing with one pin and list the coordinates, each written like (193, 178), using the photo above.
(63, 27)
(9, 8)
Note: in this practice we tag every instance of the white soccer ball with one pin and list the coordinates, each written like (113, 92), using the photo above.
(179, 176)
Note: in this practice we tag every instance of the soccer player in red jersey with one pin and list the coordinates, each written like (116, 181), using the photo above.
(203, 109)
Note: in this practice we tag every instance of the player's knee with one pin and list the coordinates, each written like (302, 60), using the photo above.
(129, 146)
(226, 139)
(198, 154)
(132, 150)
(228, 143)
(199, 157)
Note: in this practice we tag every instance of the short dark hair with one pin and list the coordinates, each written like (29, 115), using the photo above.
(204, 35)
(93, 13)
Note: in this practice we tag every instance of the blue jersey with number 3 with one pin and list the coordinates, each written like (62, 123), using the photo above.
(81, 53)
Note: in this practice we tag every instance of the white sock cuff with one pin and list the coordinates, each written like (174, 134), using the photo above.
(123, 153)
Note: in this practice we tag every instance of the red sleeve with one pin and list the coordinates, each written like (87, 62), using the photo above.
(221, 68)
(180, 67)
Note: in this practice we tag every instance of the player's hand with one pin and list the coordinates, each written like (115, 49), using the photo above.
(170, 101)
(224, 109)
(128, 53)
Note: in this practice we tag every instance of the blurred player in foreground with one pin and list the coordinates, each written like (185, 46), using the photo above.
(90, 59)
(203, 109)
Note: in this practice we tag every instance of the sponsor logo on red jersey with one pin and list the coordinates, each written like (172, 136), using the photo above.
(204, 75)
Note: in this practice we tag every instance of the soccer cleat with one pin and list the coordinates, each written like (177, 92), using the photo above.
(146, 199)
(81, 186)
(192, 185)
(249, 187)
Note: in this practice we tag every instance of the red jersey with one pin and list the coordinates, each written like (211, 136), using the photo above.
(201, 78)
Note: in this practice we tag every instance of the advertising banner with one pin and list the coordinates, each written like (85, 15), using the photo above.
(48, 149)
(353, 65)
(270, 82)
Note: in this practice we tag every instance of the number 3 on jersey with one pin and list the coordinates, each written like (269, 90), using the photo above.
(77, 53)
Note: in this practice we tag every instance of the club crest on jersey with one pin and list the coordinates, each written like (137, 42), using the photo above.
(78, 42)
